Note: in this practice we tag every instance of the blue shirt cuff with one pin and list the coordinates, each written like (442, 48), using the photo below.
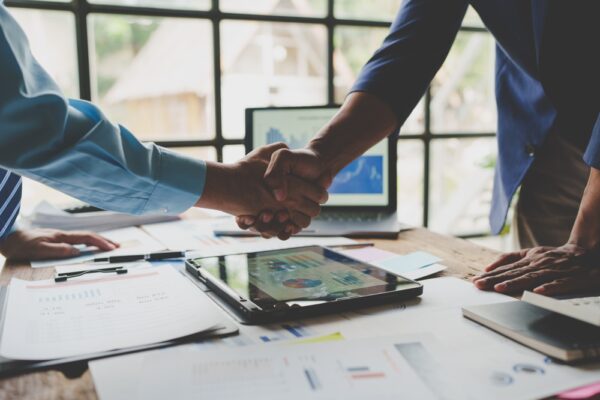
(592, 153)
(180, 183)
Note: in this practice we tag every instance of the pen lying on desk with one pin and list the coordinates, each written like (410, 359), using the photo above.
(164, 255)
(352, 246)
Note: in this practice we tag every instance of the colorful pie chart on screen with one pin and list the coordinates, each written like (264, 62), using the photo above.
(300, 283)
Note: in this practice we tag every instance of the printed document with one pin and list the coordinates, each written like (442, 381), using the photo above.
(431, 352)
(46, 320)
(132, 240)
(197, 235)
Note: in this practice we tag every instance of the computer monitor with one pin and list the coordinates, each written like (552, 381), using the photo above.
(369, 182)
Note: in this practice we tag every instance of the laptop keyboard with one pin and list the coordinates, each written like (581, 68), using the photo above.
(352, 216)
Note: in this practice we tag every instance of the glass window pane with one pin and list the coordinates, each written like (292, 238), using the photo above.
(384, 10)
(463, 89)
(51, 36)
(232, 154)
(154, 75)
(270, 64)
(206, 153)
(353, 48)
(313, 8)
(410, 181)
(461, 177)
(183, 4)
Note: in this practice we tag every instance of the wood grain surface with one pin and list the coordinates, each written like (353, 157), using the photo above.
(464, 259)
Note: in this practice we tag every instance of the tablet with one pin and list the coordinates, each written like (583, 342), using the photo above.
(282, 284)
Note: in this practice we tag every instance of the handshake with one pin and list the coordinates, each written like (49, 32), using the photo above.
(273, 190)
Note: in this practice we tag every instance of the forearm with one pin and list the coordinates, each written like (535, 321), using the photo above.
(72, 147)
(363, 121)
(102, 163)
(586, 230)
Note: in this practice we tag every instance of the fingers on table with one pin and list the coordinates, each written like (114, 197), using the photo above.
(502, 270)
(87, 238)
(46, 250)
(504, 259)
(523, 274)
(533, 279)
(589, 280)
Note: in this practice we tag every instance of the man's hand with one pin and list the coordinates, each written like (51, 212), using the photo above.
(38, 244)
(571, 268)
(240, 189)
(303, 163)
(281, 177)
(545, 270)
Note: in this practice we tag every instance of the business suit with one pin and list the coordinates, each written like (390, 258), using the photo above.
(530, 99)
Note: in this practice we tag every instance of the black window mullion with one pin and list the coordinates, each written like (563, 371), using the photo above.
(83, 56)
(82, 9)
(426, 156)
(216, 25)
(330, 50)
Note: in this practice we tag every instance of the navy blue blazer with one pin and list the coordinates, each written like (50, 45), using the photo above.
(419, 41)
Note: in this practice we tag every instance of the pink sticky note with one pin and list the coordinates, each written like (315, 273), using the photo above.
(581, 393)
(369, 254)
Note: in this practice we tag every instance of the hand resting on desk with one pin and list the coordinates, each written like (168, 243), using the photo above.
(571, 268)
(545, 270)
(39, 244)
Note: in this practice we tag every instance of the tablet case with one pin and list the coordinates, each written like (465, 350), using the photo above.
(75, 366)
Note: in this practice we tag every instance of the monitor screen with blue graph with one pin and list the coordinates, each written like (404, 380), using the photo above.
(364, 182)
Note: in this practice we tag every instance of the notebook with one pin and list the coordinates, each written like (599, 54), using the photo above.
(550, 333)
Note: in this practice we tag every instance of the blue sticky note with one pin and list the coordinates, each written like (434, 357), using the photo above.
(409, 262)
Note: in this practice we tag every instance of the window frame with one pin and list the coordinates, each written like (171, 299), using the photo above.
(82, 9)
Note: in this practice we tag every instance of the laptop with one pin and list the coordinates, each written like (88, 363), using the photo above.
(362, 197)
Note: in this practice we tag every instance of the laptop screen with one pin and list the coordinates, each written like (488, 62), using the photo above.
(364, 182)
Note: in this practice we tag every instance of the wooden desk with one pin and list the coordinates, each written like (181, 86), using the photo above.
(463, 259)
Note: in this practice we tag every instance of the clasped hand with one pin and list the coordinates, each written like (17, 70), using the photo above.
(296, 185)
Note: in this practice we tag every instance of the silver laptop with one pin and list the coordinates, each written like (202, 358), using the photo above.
(362, 197)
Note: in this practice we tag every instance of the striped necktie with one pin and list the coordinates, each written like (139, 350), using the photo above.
(10, 200)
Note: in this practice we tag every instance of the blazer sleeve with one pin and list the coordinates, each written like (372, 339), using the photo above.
(592, 153)
(418, 42)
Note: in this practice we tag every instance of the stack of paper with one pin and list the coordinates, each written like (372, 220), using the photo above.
(197, 235)
(47, 320)
(421, 351)
(416, 265)
(46, 215)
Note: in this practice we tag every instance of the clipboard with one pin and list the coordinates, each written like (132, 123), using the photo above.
(73, 367)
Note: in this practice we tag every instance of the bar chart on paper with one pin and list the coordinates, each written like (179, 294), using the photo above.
(82, 294)
(344, 369)
(46, 320)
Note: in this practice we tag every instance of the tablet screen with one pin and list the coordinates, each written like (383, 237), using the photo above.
(308, 273)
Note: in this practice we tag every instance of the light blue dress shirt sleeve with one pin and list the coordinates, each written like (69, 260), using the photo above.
(71, 146)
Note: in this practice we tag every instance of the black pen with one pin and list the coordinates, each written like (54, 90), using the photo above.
(164, 255)
(352, 245)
